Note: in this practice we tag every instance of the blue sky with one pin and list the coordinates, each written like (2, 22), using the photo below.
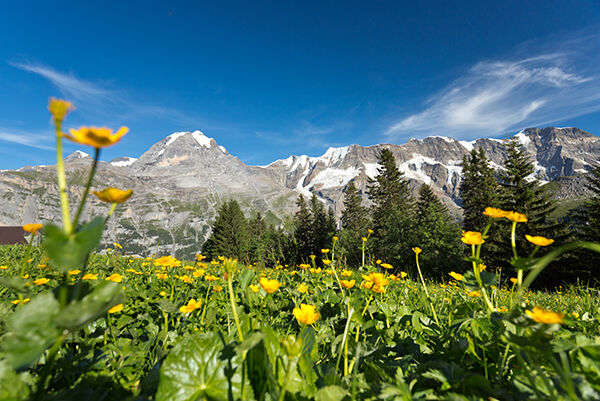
(271, 79)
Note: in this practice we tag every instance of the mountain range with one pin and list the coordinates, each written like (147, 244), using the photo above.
(181, 180)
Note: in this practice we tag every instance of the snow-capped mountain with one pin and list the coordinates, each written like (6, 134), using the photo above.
(180, 181)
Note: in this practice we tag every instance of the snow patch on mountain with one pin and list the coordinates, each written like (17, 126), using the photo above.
(334, 177)
(371, 169)
(123, 161)
(469, 145)
(524, 139)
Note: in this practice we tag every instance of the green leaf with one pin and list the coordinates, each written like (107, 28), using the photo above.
(167, 306)
(12, 387)
(106, 295)
(68, 251)
(30, 331)
(331, 393)
(197, 368)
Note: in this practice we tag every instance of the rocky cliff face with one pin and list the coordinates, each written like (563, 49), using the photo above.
(181, 180)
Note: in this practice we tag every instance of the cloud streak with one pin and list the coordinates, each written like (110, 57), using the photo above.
(526, 89)
(25, 138)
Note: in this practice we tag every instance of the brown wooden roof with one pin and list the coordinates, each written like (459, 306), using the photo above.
(12, 235)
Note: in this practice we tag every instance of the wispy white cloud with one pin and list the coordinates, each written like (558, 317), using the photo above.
(25, 138)
(537, 85)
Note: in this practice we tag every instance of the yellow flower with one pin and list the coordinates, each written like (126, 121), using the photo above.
(113, 195)
(335, 238)
(116, 308)
(456, 276)
(304, 265)
(16, 301)
(494, 213)
(59, 108)
(370, 231)
(545, 316)
(514, 280)
(270, 286)
(474, 294)
(302, 288)
(117, 278)
(199, 257)
(191, 306)
(375, 281)
(162, 294)
(162, 276)
(210, 277)
(326, 262)
(417, 250)
(198, 273)
(575, 315)
(347, 283)
(3, 267)
(117, 245)
(386, 266)
(306, 314)
(217, 288)
(539, 241)
(502, 309)
(89, 276)
(516, 217)
(98, 137)
(403, 274)
(472, 238)
(325, 250)
(74, 272)
(41, 281)
(378, 261)
(186, 279)
(346, 273)
(364, 239)
(33, 227)
(254, 288)
(481, 267)
(315, 271)
(25, 276)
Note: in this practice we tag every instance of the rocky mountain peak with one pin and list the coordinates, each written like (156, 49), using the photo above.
(77, 155)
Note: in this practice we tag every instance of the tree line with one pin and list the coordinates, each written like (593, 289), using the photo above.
(392, 221)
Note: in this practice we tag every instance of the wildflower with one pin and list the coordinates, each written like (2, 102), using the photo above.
(516, 217)
(188, 268)
(162, 276)
(254, 288)
(378, 261)
(302, 288)
(304, 265)
(347, 283)
(417, 250)
(41, 281)
(575, 315)
(502, 309)
(545, 316)
(514, 280)
(403, 274)
(3, 267)
(199, 257)
(116, 278)
(456, 276)
(217, 288)
(59, 108)
(210, 277)
(315, 271)
(370, 231)
(474, 294)
(335, 238)
(167, 261)
(326, 262)
(346, 273)
(89, 276)
(162, 294)
(16, 301)
(33, 228)
(113, 195)
(539, 241)
(306, 314)
(386, 266)
(364, 239)
(117, 245)
(481, 267)
(198, 273)
(98, 137)
(472, 238)
(191, 306)
(116, 308)
(367, 284)
(270, 286)
(375, 281)
(378, 288)
(494, 213)
(186, 279)
(325, 251)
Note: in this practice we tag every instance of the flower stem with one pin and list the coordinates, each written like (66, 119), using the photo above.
(425, 288)
(233, 306)
(87, 188)
(61, 178)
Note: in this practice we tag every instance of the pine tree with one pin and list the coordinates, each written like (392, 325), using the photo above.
(439, 234)
(355, 222)
(525, 195)
(478, 189)
(302, 230)
(322, 227)
(392, 211)
(256, 229)
(229, 235)
(589, 216)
